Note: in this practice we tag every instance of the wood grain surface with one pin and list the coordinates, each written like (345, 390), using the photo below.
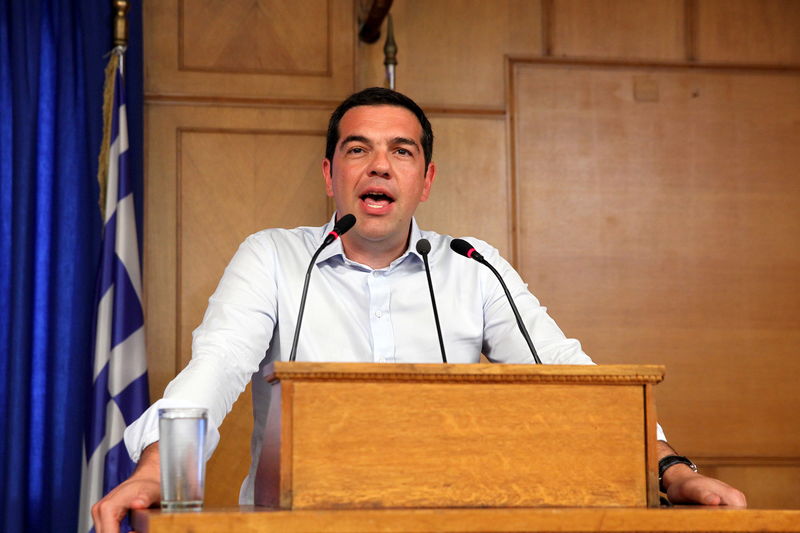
(684, 520)
(667, 232)
(473, 445)
(417, 436)
(748, 31)
(643, 29)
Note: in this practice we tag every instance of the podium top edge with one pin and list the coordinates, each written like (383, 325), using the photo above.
(482, 372)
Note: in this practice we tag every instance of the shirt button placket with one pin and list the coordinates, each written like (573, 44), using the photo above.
(380, 318)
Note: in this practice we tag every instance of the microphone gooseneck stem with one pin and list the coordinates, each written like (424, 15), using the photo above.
(520, 323)
(435, 312)
(293, 354)
(341, 227)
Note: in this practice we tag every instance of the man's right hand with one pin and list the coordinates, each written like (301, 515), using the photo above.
(139, 491)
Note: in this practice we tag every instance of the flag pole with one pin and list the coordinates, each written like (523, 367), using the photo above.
(121, 22)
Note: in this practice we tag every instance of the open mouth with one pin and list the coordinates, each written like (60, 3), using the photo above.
(376, 199)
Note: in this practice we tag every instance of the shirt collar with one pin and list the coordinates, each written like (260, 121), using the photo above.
(335, 248)
(416, 235)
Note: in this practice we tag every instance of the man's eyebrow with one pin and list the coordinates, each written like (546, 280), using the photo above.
(355, 139)
(395, 141)
(406, 141)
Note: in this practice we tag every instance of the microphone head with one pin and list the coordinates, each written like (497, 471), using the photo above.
(461, 247)
(423, 246)
(344, 224)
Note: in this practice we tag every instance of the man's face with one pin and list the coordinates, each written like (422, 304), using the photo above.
(378, 173)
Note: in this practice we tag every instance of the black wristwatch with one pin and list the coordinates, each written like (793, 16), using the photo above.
(669, 461)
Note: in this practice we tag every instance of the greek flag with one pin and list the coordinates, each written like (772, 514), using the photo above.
(119, 386)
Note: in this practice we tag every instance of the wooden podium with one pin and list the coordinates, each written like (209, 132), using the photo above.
(411, 436)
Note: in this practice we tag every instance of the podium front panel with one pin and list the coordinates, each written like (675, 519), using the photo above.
(417, 442)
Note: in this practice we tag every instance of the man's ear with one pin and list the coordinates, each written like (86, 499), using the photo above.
(430, 175)
(327, 167)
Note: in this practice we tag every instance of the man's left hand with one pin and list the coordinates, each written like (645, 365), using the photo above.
(690, 487)
(685, 486)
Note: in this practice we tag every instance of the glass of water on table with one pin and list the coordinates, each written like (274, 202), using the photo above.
(182, 439)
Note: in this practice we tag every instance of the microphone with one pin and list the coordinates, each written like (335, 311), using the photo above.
(423, 249)
(464, 248)
(339, 228)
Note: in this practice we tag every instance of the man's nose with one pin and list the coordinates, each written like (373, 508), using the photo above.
(380, 165)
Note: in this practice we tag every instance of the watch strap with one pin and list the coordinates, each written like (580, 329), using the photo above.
(670, 461)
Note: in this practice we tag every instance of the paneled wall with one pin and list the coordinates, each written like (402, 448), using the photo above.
(635, 159)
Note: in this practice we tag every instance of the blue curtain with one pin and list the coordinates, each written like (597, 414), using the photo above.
(51, 81)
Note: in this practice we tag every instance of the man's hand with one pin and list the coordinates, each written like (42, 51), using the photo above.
(139, 491)
(683, 485)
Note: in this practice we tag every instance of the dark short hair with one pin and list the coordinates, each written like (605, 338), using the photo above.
(379, 96)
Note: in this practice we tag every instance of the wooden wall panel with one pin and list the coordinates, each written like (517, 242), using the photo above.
(748, 31)
(208, 187)
(665, 231)
(227, 181)
(769, 486)
(470, 196)
(265, 37)
(450, 53)
(256, 50)
(630, 29)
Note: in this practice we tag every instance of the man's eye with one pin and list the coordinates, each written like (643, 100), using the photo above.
(356, 150)
(403, 151)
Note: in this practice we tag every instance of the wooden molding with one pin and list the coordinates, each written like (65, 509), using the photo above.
(176, 99)
(548, 19)
(690, 29)
(637, 63)
(473, 373)
(792, 462)
(688, 519)
(251, 131)
(300, 103)
(488, 112)
(513, 189)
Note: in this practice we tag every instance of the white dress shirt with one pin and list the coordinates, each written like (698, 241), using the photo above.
(353, 313)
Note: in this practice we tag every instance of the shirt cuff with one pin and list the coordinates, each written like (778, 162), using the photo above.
(144, 431)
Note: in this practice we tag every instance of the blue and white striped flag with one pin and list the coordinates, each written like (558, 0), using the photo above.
(119, 387)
